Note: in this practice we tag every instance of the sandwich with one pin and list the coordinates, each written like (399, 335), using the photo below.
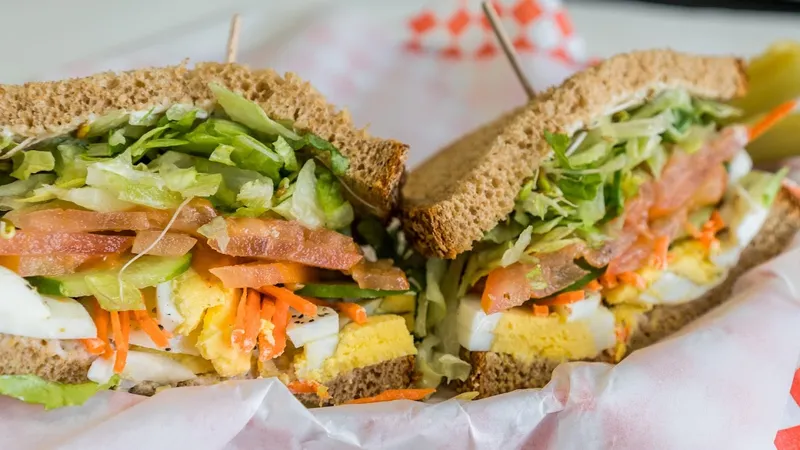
(175, 227)
(604, 215)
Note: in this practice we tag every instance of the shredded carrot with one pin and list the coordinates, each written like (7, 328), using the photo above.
(352, 311)
(565, 298)
(120, 325)
(771, 119)
(394, 394)
(95, 346)
(608, 280)
(691, 230)
(150, 326)
(252, 322)
(280, 319)
(100, 344)
(707, 236)
(594, 286)
(660, 252)
(541, 310)
(633, 279)
(300, 304)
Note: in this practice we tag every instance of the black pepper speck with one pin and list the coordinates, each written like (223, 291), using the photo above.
(168, 349)
(310, 320)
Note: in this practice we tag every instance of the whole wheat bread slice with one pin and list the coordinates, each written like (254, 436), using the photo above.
(67, 361)
(466, 189)
(495, 373)
(53, 108)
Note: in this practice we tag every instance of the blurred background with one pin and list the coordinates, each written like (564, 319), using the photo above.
(39, 37)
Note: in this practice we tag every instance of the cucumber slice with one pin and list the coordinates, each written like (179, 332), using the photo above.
(144, 272)
(342, 290)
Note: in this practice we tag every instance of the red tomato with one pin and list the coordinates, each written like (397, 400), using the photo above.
(282, 240)
(382, 275)
(34, 243)
(77, 221)
(173, 244)
(256, 275)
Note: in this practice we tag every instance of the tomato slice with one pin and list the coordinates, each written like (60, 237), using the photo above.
(51, 265)
(506, 287)
(77, 221)
(173, 244)
(256, 275)
(381, 275)
(194, 215)
(35, 243)
(282, 240)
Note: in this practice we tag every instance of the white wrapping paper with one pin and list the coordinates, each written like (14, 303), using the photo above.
(722, 383)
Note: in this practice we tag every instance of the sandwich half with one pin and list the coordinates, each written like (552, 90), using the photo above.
(172, 227)
(606, 214)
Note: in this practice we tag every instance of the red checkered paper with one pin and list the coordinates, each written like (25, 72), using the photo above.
(426, 76)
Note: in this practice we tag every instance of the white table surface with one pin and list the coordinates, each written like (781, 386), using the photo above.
(40, 35)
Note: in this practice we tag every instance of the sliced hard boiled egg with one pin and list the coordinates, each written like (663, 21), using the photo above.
(303, 328)
(672, 289)
(740, 165)
(168, 315)
(319, 350)
(140, 367)
(581, 309)
(177, 344)
(475, 328)
(24, 312)
(602, 325)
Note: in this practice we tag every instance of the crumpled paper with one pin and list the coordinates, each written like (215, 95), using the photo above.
(721, 383)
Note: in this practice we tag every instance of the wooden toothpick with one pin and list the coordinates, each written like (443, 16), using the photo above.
(233, 40)
(508, 48)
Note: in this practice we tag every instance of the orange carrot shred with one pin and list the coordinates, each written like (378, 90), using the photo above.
(150, 326)
(594, 286)
(353, 311)
(95, 346)
(252, 320)
(541, 310)
(308, 387)
(633, 279)
(608, 280)
(120, 325)
(280, 319)
(300, 304)
(565, 298)
(394, 394)
(660, 252)
(771, 119)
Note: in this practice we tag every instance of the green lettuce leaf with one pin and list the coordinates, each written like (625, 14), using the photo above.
(303, 205)
(286, 152)
(559, 143)
(222, 155)
(256, 196)
(513, 254)
(763, 186)
(329, 154)
(338, 211)
(248, 113)
(106, 289)
(20, 188)
(254, 155)
(106, 123)
(32, 389)
(32, 161)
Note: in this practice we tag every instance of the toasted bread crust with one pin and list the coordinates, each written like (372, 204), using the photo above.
(496, 373)
(464, 191)
(53, 108)
(365, 382)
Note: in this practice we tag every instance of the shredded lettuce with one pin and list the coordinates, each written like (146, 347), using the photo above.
(32, 161)
(216, 230)
(256, 196)
(106, 289)
(286, 153)
(433, 365)
(222, 155)
(249, 113)
(516, 251)
(50, 394)
(106, 123)
(338, 212)
(303, 205)
(559, 143)
(763, 186)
